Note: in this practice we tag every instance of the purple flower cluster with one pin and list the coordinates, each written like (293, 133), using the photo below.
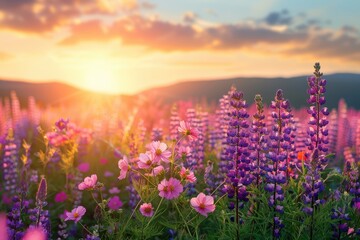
(239, 175)
(258, 139)
(279, 145)
(318, 139)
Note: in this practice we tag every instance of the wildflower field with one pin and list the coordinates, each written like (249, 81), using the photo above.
(234, 170)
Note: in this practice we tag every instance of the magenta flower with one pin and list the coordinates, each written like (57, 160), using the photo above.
(115, 203)
(89, 183)
(35, 234)
(103, 161)
(186, 130)
(187, 175)
(3, 227)
(62, 124)
(160, 151)
(84, 167)
(203, 204)
(124, 166)
(60, 197)
(357, 206)
(76, 214)
(170, 189)
(147, 209)
(184, 152)
(146, 160)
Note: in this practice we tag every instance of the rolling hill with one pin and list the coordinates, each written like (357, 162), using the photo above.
(340, 85)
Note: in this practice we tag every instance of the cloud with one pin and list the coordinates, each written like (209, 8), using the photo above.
(279, 18)
(166, 36)
(341, 45)
(40, 16)
(190, 17)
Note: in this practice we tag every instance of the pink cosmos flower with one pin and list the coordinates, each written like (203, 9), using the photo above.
(60, 197)
(146, 160)
(88, 183)
(350, 231)
(187, 175)
(170, 189)
(124, 166)
(159, 149)
(186, 130)
(76, 214)
(147, 209)
(184, 152)
(84, 167)
(35, 234)
(115, 203)
(203, 204)
(155, 171)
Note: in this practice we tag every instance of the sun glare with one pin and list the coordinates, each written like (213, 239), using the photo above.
(100, 77)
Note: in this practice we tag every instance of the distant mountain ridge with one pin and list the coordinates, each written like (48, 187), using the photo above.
(48, 93)
(339, 85)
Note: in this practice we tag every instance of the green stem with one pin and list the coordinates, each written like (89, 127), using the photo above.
(132, 214)
(144, 177)
(157, 209)
(86, 229)
(182, 217)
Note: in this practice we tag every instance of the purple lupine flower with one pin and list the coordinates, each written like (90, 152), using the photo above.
(209, 178)
(317, 144)
(239, 167)
(38, 215)
(174, 123)
(340, 227)
(10, 165)
(279, 145)
(16, 226)
(157, 134)
(223, 119)
(258, 140)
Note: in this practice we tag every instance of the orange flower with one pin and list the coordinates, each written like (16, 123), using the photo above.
(301, 156)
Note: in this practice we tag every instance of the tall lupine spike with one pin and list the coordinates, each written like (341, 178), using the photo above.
(333, 130)
(38, 215)
(157, 134)
(258, 140)
(42, 191)
(279, 145)
(357, 141)
(239, 175)
(174, 123)
(10, 164)
(342, 133)
(223, 123)
(351, 173)
(317, 144)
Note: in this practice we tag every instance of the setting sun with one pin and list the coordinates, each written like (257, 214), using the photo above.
(100, 76)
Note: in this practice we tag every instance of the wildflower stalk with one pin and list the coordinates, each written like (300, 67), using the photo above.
(85, 228)
(318, 140)
(157, 209)
(182, 217)
(132, 214)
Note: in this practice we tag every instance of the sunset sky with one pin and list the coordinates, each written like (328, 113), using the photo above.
(125, 46)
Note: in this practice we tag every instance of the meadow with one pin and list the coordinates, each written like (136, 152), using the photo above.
(234, 170)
